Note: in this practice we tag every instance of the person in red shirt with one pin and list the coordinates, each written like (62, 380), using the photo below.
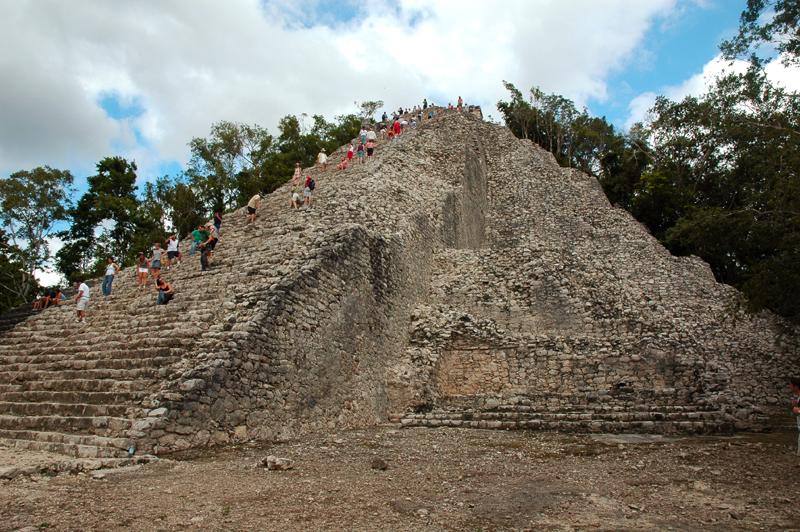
(350, 153)
(308, 191)
(396, 128)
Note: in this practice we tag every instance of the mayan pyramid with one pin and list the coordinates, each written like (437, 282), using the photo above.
(461, 279)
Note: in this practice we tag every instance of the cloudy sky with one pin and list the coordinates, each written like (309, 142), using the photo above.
(82, 79)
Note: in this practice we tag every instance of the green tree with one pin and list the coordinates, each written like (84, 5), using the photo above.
(116, 204)
(12, 277)
(233, 158)
(33, 202)
(367, 109)
(186, 209)
(104, 222)
(766, 23)
(729, 163)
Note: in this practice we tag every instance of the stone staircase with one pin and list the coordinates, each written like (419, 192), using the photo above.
(574, 413)
(14, 316)
(101, 389)
(80, 388)
(77, 388)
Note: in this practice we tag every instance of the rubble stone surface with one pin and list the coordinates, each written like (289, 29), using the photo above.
(461, 279)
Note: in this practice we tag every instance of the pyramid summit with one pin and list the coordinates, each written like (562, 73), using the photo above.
(462, 278)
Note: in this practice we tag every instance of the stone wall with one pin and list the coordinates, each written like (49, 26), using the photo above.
(572, 305)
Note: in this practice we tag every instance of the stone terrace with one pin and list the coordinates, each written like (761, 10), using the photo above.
(461, 278)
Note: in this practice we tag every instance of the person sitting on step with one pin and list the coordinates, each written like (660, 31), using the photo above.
(165, 291)
(40, 302)
(56, 297)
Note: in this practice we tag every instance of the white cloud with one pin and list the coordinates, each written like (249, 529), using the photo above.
(48, 278)
(698, 84)
(190, 63)
(640, 107)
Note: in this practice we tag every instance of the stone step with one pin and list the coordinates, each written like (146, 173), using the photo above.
(101, 339)
(92, 398)
(11, 377)
(84, 354)
(582, 426)
(78, 385)
(96, 363)
(71, 439)
(604, 406)
(102, 318)
(100, 425)
(558, 415)
(68, 449)
(65, 409)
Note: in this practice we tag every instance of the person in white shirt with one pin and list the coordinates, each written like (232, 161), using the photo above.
(252, 207)
(172, 250)
(322, 159)
(111, 270)
(81, 300)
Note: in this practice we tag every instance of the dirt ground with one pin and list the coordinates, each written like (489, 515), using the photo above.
(446, 479)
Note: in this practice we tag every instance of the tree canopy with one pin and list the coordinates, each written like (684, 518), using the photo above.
(32, 202)
(767, 24)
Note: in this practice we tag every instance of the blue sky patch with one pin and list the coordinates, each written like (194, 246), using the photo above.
(675, 51)
(117, 109)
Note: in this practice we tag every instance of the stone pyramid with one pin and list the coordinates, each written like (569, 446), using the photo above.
(462, 278)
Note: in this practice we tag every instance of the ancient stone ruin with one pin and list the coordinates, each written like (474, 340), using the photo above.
(461, 279)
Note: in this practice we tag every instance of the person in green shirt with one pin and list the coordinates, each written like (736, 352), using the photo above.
(198, 235)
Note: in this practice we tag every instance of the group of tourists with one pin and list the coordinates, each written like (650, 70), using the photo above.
(51, 298)
(304, 186)
(149, 265)
(205, 237)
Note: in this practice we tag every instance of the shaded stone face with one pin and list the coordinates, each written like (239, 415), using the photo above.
(459, 278)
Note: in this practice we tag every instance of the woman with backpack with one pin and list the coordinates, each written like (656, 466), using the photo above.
(308, 191)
